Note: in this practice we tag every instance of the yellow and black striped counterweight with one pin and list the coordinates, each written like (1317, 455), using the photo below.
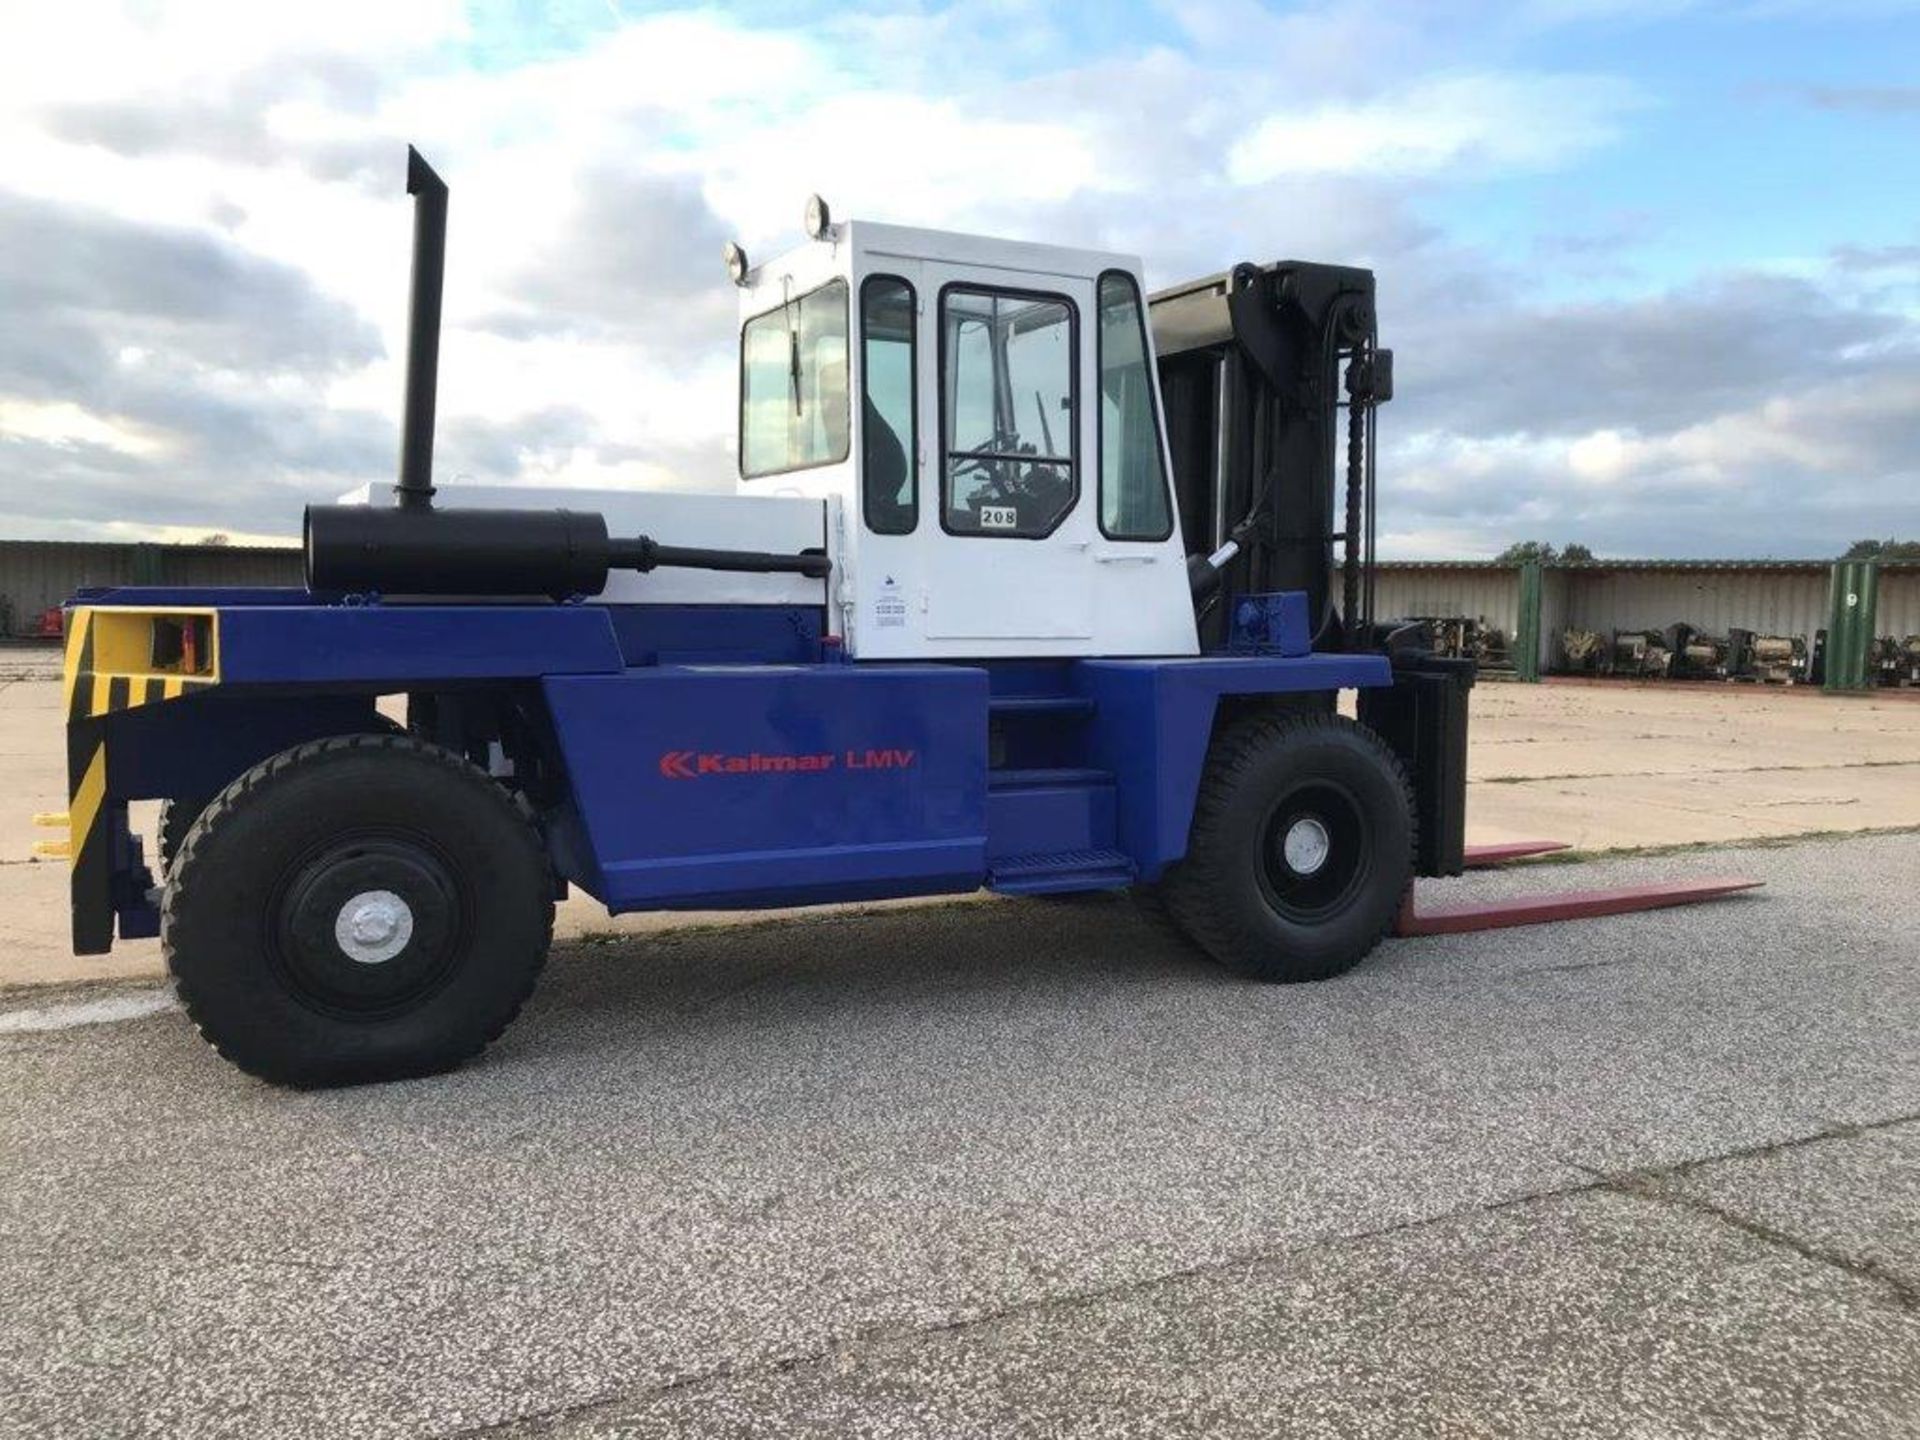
(118, 658)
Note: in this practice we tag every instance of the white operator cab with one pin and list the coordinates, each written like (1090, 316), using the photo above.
(983, 419)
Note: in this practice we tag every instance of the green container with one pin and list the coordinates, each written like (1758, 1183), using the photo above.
(1526, 632)
(1850, 621)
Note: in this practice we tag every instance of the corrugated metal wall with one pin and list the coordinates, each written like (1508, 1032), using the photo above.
(229, 565)
(1479, 593)
(36, 575)
(1899, 601)
(1773, 602)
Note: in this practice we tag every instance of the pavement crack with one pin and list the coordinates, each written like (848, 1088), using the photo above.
(1576, 969)
(1655, 1185)
(1844, 1131)
(550, 1421)
(1904, 1292)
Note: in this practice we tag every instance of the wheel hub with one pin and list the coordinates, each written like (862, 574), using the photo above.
(368, 925)
(373, 927)
(1306, 846)
(1314, 851)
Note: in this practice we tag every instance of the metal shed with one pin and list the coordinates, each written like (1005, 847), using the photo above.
(1898, 612)
(1536, 605)
(37, 575)
(1785, 597)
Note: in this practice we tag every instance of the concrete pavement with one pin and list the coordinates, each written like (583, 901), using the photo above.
(1024, 1168)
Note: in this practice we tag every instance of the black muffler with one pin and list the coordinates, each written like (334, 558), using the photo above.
(358, 550)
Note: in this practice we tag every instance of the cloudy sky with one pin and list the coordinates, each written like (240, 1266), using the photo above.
(1651, 268)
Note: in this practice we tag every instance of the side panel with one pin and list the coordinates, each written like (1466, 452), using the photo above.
(718, 634)
(715, 786)
(408, 646)
(1154, 720)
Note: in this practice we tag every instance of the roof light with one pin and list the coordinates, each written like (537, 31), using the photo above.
(819, 219)
(736, 262)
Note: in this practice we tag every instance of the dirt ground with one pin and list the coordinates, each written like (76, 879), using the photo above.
(1602, 767)
(1610, 767)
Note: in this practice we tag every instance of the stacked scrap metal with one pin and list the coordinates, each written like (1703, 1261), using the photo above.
(1895, 662)
(1642, 654)
(1584, 650)
(1680, 652)
(1463, 637)
(1694, 654)
(1768, 659)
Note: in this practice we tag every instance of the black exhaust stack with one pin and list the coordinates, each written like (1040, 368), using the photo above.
(413, 549)
(429, 191)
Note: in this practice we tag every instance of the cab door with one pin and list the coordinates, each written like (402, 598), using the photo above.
(1008, 562)
(1142, 599)
(1013, 490)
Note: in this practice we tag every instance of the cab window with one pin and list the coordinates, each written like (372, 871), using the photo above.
(1133, 481)
(1007, 412)
(889, 452)
(793, 384)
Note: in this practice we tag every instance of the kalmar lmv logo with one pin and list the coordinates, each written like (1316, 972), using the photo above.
(694, 764)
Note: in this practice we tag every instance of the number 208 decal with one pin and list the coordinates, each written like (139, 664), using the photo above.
(999, 517)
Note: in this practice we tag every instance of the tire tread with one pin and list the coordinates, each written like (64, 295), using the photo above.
(245, 791)
(1192, 884)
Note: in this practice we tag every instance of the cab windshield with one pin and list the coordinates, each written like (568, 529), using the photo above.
(793, 384)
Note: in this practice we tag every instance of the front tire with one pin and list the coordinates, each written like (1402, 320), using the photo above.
(1301, 849)
(362, 908)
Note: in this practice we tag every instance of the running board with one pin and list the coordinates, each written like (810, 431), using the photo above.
(1563, 905)
(1485, 857)
(1061, 872)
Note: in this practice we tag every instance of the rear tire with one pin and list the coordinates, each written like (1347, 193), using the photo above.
(362, 908)
(1301, 849)
(178, 814)
(176, 818)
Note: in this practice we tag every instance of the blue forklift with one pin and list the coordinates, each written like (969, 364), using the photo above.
(1031, 583)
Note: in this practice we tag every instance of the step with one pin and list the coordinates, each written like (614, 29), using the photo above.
(1066, 706)
(1060, 871)
(1062, 777)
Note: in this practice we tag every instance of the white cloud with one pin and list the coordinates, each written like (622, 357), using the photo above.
(1479, 123)
(589, 331)
(61, 422)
